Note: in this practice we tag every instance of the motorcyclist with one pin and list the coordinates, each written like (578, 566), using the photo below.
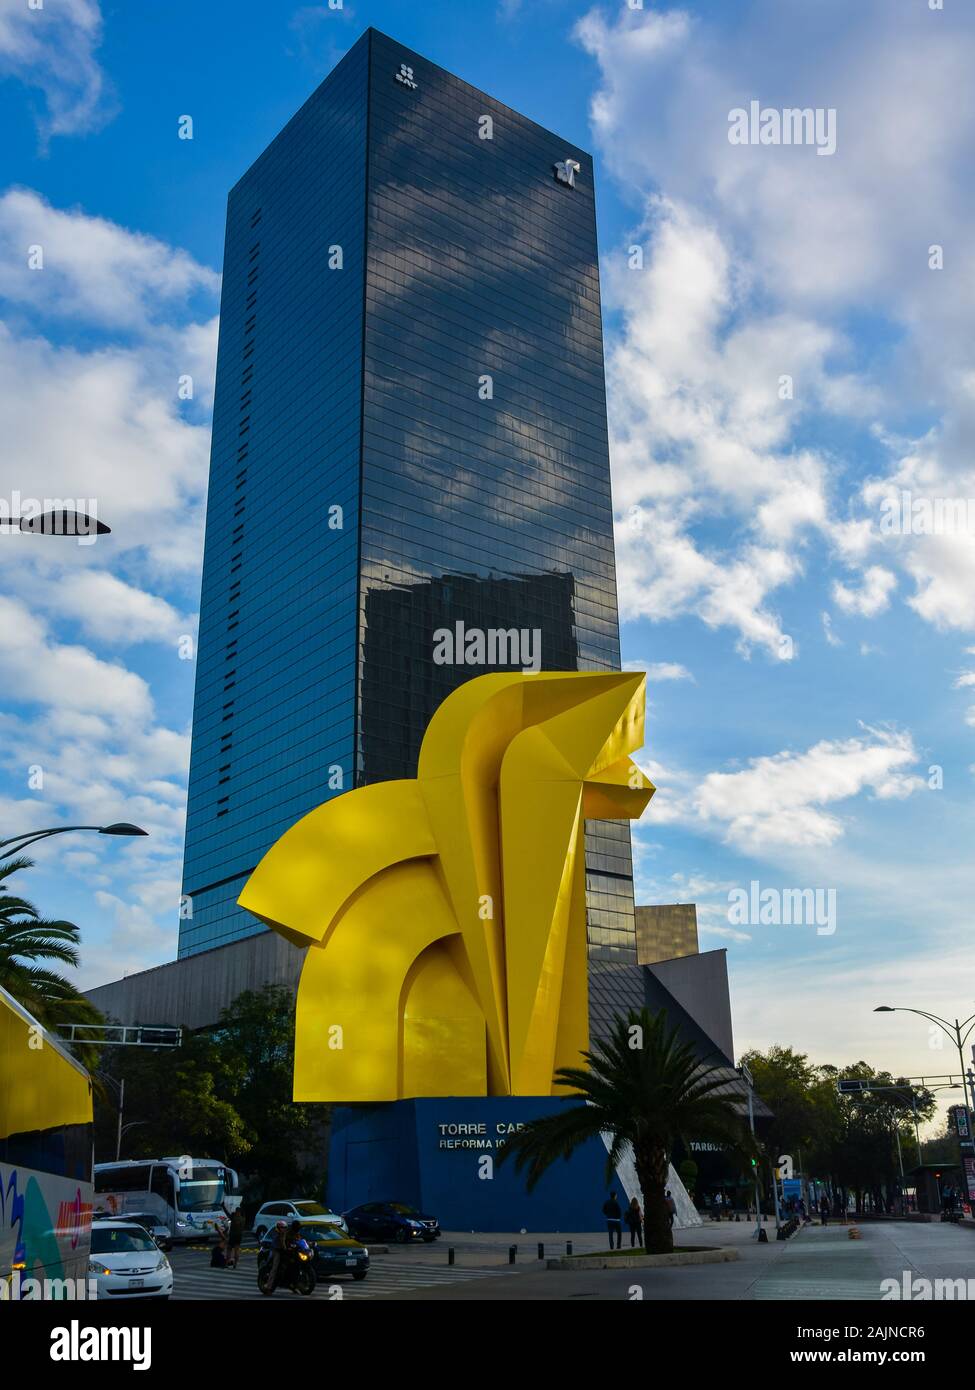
(279, 1249)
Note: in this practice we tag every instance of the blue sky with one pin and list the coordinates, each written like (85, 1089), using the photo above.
(807, 671)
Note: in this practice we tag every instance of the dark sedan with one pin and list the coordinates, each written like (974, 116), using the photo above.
(333, 1252)
(396, 1221)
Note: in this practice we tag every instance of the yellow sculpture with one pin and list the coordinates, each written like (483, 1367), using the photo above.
(447, 915)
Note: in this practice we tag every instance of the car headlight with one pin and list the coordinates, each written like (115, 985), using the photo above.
(94, 1267)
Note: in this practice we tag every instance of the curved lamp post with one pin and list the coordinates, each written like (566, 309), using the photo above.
(18, 842)
(64, 522)
(954, 1031)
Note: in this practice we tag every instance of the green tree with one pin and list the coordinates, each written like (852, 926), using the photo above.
(861, 1154)
(175, 1102)
(256, 1042)
(802, 1106)
(223, 1094)
(646, 1088)
(29, 943)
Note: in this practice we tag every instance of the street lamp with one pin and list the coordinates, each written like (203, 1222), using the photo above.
(63, 522)
(16, 843)
(954, 1031)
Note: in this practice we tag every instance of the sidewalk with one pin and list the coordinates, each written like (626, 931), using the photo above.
(818, 1263)
(485, 1249)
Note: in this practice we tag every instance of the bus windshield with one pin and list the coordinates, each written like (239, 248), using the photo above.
(204, 1191)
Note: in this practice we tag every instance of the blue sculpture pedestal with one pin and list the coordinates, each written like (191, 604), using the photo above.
(440, 1155)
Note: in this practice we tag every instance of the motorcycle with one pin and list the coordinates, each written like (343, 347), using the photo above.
(295, 1272)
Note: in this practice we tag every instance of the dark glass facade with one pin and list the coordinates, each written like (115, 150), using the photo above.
(409, 433)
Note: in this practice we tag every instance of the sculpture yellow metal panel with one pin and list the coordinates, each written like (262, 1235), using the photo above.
(446, 916)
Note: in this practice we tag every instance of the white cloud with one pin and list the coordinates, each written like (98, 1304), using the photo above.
(828, 632)
(756, 259)
(105, 425)
(102, 423)
(781, 799)
(107, 609)
(660, 670)
(701, 434)
(872, 597)
(92, 270)
(53, 48)
(38, 670)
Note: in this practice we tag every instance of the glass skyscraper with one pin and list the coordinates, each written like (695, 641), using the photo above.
(409, 434)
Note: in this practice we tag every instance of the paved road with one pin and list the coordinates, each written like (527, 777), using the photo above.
(817, 1264)
(389, 1275)
(825, 1264)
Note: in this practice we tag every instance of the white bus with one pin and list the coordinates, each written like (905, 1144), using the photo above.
(188, 1195)
(45, 1155)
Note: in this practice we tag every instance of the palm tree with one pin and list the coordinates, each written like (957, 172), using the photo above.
(643, 1086)
(25, 939)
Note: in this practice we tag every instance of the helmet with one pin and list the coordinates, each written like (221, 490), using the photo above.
(281, 1225)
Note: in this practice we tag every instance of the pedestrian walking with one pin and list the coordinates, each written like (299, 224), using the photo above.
(614, 1221)
(671, 1206)
(235, 1235)
(634, 1221)
(824, 1211)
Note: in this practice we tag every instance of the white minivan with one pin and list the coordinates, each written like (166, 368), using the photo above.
(127, 1262)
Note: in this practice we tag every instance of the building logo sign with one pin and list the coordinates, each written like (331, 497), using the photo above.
(405, 75)
(476, 1136)
(566, 170)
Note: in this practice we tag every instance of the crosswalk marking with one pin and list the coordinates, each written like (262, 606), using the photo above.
(194, 1279)
(791, 1289)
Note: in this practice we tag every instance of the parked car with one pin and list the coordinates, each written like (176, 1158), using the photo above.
(126, 1262)
(311, 1215)
(396, 1221)
(333, 1251)
(157, 1228)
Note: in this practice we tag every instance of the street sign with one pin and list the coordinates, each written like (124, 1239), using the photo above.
(847, 1088)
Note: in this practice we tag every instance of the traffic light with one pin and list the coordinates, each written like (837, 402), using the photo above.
(847, 1088)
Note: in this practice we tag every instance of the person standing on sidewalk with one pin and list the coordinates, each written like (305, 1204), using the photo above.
(614, 1221)
(824, 1210)
(634, 1222)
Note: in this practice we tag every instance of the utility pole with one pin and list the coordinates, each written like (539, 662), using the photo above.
(121, 1102)
(751, 1124)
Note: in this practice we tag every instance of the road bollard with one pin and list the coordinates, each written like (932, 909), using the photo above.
(512, 1252)
(541, 1251)
(450, 1254)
